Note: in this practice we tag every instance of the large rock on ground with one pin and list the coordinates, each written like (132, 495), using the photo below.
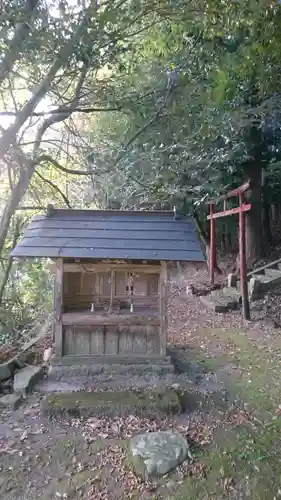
(5, 371)
(155, 453)
(10, 401)
(254, 289)
(26, 378)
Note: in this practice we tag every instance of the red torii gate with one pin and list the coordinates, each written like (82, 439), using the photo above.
(240, 210)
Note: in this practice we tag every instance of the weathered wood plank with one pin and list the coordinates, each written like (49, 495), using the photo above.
(54, 309)
(87, 283)
(118, 359)
(77, 305)
(140, 284)
(91, 319)
(66, 283)
(87, 297)
(105, 287)
(97, 290)
(97, 340)
(112, 290)
(121, 307)
(82, 341)
(134, 268)
(111, 340)
(153, 345)
(153, 340)
(69, 341)
(84, 306)
(153, 284)
(125, 340)
(120, 283)
(139, 343)
(163, 307)
(59, 308)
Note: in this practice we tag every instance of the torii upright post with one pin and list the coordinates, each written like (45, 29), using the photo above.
(242, 260)
(212, 256)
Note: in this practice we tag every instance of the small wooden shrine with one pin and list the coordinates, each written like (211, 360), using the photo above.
(110, 280)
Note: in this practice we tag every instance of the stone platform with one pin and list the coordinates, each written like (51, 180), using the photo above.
(66, 368)
(110, 404)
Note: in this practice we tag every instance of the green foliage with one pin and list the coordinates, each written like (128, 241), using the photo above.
(194, 96)
(28, 295)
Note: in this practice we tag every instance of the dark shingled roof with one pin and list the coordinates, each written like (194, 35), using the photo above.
(98, 234)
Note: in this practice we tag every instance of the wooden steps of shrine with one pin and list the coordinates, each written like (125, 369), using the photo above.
(260, 281)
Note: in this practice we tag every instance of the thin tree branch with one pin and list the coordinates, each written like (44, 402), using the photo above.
(63, 110)
(81, 80)
(31, 208)
(41, 90)
(12, 95)
(146, 125)
(56, 188)
(10, 176)
(55, 118)
(21, 32)
(49, 159)
(33, 194)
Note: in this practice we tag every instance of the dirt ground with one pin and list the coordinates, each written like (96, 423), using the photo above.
(235, 444)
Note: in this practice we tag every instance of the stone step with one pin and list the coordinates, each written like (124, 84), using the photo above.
(261, 283)
(269, 282)
(228, 298)
(273, 273)
(217, 303)
(258, 286)
(26, 378)
(151, 404)
(208, 302)
(222, 297)
(232, 292)
(11, 401)
(263, 278)
(255, 289)
(63, 372)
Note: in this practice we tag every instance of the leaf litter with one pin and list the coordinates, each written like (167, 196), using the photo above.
(108, 475)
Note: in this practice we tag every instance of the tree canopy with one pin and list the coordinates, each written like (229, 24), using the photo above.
(136, 100)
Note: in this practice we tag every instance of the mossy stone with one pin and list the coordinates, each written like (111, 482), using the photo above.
(123, 403)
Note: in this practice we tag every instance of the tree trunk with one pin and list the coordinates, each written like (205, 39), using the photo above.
(254, 243)
(22, 31)
(10, 133)
(17, 195)
(205, 240)
(16, 236)
(266, 214)
(27, 167)
(274, 215)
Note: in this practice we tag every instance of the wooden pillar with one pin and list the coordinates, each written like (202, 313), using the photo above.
(112, 290)
(212, 256)
(243, 263)
(58, 307)
(54, 308)
(163, 307)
